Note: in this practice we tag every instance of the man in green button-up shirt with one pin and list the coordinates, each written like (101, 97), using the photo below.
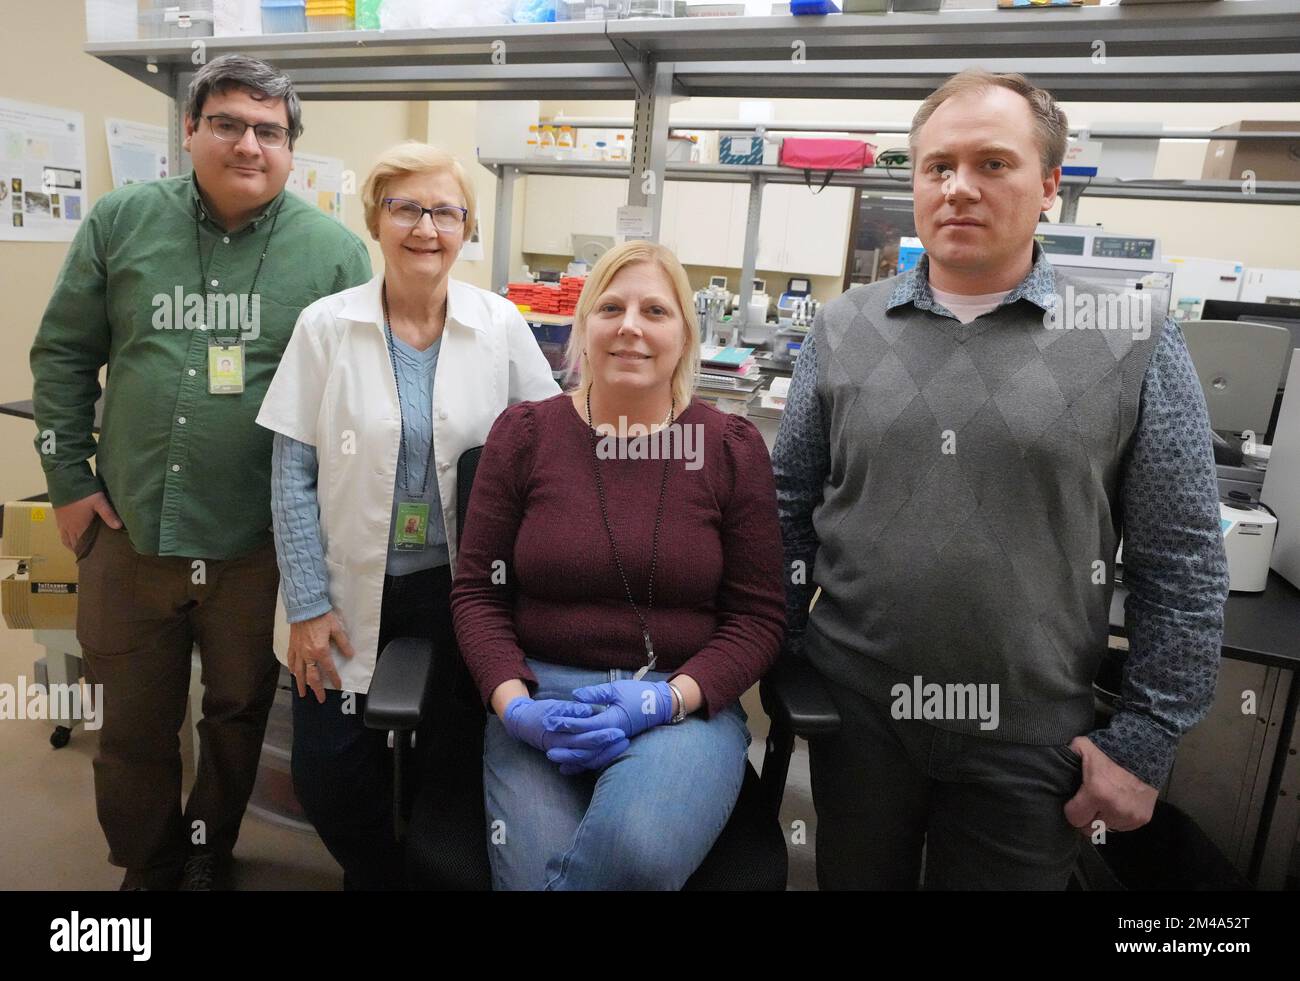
(188, 289)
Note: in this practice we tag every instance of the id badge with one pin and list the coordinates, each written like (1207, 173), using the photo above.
(225, 367)
(412, 526)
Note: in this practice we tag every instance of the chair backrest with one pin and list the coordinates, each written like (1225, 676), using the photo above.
(465, 468)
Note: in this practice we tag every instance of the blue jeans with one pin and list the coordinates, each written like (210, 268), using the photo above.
(646, 821)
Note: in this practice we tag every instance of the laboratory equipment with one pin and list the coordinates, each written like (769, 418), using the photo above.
(797, 288)
(589, 248)
(1271, 286)
(1153, 277)
(711, 306)
(1281, 491)
(1093, 240)
(1197, 280)
(1248, 534)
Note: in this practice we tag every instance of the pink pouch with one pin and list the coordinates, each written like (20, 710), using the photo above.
(828, 155)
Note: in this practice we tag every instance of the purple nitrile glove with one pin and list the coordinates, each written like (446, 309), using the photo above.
(632, 706)
(536, 722)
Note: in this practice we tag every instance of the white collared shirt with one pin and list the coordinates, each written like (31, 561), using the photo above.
(334, 390)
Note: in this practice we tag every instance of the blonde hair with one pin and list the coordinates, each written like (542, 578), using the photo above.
(1051, 128)
(404, 160)
(609, 266)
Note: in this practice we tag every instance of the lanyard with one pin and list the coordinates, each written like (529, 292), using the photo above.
(266, 247)
(654, 541)
(392, 358)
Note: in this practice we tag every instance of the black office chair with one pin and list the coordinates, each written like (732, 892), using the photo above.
(443, 822)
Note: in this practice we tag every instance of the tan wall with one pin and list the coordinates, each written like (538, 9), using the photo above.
(43, 63)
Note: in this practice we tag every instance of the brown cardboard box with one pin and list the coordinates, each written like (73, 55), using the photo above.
(43, 592)
(1274, 160)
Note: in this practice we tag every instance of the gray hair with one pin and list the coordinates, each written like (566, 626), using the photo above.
(235, 71)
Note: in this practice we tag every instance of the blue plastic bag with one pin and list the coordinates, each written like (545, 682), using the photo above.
(534, 11)
(813, 7)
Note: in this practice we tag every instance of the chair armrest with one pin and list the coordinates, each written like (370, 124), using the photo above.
(795, 698)
(400, 685)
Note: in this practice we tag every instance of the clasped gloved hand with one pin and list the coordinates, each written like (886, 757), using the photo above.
(538, 722)
(631, 707)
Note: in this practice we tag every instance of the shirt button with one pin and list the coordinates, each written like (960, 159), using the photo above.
(216, 282)
(176, 468)
(181, 420)
(226, 239)
(442, 413)
(442, 467)
(190, 372)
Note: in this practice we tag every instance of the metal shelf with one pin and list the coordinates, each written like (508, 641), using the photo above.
(1152, 55)
(898, 180)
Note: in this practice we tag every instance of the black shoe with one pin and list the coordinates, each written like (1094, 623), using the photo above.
(203, 873)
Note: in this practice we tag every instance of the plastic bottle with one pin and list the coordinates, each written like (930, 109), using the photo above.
(564, 143)
(546, 144)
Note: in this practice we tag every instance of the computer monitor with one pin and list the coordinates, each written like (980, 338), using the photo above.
(1274, 314)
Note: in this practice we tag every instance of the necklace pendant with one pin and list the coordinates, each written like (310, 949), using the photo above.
(650, 657)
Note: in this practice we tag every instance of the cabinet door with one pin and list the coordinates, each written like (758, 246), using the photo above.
(548, 214)
(817, 230)
(772, 227)
(703, 221)
(556, 208)
(670, 219)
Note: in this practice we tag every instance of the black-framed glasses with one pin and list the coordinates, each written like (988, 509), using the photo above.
(232, 130)
(446, 218)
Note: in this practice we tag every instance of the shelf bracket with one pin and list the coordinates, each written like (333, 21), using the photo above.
(650, 143)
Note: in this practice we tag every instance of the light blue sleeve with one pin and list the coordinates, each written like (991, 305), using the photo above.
(295, 514)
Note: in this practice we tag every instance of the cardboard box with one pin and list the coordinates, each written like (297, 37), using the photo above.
(43, 592)
(1275, 160)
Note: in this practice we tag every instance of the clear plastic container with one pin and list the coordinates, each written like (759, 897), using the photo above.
(284, 16)
(330, 22)
(570, 10)
(650, 8)
(368, 14)
(192, 19)
(111, 20)
(546, 144)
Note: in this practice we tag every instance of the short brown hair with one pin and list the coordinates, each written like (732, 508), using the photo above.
(1051, 128)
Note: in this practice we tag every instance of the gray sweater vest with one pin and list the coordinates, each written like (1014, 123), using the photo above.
(971, 514)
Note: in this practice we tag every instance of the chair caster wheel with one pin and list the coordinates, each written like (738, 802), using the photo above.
(60, 736)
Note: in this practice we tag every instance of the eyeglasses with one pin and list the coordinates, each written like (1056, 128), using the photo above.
(232, 130)
(446, 218)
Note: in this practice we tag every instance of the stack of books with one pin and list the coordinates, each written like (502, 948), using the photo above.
(727, 375)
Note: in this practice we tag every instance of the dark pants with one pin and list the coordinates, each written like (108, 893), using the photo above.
(988, 813)
(342, 771)
(138, 618)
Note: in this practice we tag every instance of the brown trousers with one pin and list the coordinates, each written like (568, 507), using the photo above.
(138, 617)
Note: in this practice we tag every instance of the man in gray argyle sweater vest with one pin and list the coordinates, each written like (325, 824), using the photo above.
(962, 448)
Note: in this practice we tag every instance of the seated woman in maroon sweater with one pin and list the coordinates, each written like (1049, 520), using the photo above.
(619, 587)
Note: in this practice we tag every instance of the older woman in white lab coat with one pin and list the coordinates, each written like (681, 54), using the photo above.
(380, 390)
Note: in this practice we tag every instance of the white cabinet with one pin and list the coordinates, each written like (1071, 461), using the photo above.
(803, 233)
(703, 223)
(556, 208)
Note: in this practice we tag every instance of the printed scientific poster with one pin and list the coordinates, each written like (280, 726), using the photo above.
(136, 151)
(43, 186)
(318, 180)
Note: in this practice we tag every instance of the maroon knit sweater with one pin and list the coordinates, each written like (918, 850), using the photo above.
(719, 607)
